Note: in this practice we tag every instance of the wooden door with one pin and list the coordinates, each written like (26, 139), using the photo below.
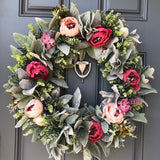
(140, 14)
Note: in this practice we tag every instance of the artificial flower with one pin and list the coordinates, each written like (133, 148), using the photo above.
(36, 70)
(69, 27)
(123, 105)
(34, 108)
(114, 114)
(135, 101)
(39, 121)
(101, 37)
(47, 41)
(133, 77)
(95, 132)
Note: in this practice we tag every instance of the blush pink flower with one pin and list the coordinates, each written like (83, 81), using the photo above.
(114, 114)
(69, 27)
(39, 121)
(47, 41)
(34, 108)
(123, 105)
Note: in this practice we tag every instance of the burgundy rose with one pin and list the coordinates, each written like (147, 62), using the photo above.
(100, 37)
(133, 78)
(95, 132)
(37, 70)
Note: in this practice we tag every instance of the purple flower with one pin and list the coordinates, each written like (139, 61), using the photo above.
(47, 41)
(123, 105)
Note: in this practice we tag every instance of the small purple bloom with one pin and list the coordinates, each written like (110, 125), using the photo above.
(123, 105)
(47, 41)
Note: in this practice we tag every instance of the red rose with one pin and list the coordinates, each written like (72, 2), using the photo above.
(95, 132)
(100, 37)
(133, 78)
(37, 70)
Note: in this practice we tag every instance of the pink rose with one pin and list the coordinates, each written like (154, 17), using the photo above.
(123, 105)
(133, 78)
(36, 70)
(114, 114)
(101, 37)
(34, 108)
(69, 27)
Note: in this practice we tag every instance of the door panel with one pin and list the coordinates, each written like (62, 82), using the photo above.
(139, 14)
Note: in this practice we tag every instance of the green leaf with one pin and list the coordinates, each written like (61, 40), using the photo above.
(65, 99)
(35, 136)
(77, 148)
(74, 11)
(43, 25)
(94, 52)
(105, 127)
(63, 47)
(99, 112)
(94, 149)
(21, 40)
(87, 154)
(26, 84)
(38, 48)
(76, 98)
(140, 117)
(21, 121)
(97, 18)
(59, 82)
(15, 51)
(22, 74)
(105, 149)
(24, 102)
(52, 23)
(71, 119)
(146, 91)
(29, 92)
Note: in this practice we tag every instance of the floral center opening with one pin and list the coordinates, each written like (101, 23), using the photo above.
(71, 25)
(30, 107)
(97, 39)
(117, 113)
(92, 131)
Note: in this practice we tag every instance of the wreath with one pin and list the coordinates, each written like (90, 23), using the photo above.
(37, 83)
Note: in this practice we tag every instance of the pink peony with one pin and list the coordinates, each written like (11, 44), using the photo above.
(34, 108)
(123, 105)
(114, 114)
(47, 41)
(69, 27)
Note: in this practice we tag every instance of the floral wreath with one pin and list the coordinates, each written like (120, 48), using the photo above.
(37, 82)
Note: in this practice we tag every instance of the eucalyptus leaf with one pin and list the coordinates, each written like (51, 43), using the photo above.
(76, 98)
(63, 47)
(59, 82)
(15, 51)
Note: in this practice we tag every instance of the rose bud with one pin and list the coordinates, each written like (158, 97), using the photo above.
(69, 27)
(114, 114)
(101, 37)
(95, 132)
(34, 108)
(37, 70)
(39, 121)
(133, 78)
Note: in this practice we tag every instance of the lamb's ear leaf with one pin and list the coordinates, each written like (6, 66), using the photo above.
(74, 11)
(21, 121)
(87, 154)
(76, 98)
(140, 117)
